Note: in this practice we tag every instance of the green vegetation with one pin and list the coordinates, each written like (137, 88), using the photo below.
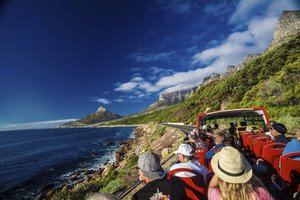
(79, 192)
(270, 81)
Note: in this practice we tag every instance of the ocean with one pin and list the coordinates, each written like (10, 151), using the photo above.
(32, 159)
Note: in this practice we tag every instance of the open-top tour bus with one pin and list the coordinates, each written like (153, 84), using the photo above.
(248, 117)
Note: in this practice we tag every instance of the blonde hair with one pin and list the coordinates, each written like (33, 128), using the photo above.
(245, 191)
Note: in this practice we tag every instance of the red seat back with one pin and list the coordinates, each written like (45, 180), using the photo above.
(200, 159)
(250, 141)
(272, 152)
(290, 170)
(245, 136)
(259, 143)
(200, 151)
(194, 187)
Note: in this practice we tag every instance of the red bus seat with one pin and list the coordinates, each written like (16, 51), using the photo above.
(290, 170)
(200, 159)
(195, 187)
(271, 154)
(200, 151)
(259, 143)
(244, 139)
(250, 141)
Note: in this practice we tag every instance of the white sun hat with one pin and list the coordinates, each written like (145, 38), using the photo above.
(230, 166)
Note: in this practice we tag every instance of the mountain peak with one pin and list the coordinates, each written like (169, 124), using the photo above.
(101, 109)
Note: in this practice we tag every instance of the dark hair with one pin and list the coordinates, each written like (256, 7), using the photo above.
(202, 136)
(216, 126)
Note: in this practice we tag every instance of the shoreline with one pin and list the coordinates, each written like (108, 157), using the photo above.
(91, 167)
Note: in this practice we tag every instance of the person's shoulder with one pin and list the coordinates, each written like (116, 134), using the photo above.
(214, 193)
(263, 193)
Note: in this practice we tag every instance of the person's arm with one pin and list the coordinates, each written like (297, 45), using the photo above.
(214, 182)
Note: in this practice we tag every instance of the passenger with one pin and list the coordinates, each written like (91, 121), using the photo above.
(194, 138)
(219, 139)
(264, 169)
(185, 155)
(233, 178)
(232, 129)
(277, 131)
(102, 196)
(293, 146)
(150, 172)
(216, 126)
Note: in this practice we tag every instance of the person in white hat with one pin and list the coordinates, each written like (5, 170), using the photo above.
(233, 178)
(185, 155)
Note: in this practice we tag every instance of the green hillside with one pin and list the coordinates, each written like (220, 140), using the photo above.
(271, 81)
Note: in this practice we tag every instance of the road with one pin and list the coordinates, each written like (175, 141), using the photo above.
(185, 129)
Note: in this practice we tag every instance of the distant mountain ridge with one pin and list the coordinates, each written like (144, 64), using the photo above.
(100, 116)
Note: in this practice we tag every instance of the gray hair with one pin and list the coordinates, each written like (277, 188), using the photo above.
(102, 196)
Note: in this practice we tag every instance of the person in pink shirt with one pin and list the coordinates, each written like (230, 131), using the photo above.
(234, 179)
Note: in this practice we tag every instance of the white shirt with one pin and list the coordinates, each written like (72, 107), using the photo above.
(193, 165)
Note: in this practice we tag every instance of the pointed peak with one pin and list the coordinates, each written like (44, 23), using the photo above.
(101, 109)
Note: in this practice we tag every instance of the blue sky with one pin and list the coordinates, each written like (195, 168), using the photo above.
(64, 59)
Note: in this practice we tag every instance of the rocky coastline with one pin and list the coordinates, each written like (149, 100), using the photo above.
(151, 137)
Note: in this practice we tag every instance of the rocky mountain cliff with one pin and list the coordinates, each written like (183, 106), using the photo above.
(100, 116)
(288, 24)
(172, 98)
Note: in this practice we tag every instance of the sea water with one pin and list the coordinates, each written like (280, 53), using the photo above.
(31, 159)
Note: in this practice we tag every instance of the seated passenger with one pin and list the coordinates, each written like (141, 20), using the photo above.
(194, 138)
(233, 178)
(219, 139)
(216, 126)
(293, 146)
(150, 172)
(185, 155)
(277, 131)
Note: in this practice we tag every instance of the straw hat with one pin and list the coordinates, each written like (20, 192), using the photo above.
(230, 166)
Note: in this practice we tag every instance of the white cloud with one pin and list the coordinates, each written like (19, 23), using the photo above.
(276, 6)
(119, 100)
(244, 9)
(102, 100)
(34, 125)
(135, 84)
(128, 86)
(259, 17)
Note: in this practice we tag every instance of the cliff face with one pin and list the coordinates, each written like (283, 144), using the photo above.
(211, 78)
(288, 25)
(172, 98)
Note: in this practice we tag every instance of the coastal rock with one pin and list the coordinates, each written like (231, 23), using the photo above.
(107, 168)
